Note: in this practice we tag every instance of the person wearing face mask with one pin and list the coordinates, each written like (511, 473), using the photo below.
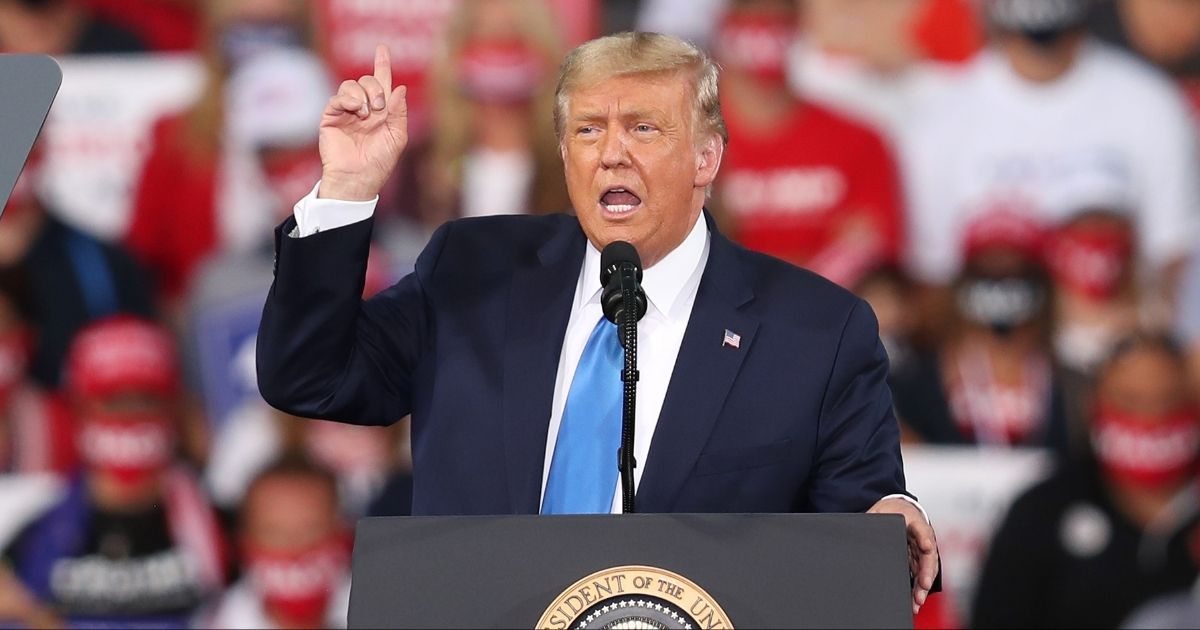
(1090, 258)
(200, 190)
(802, 183)
(493, 147)
(295, 552)
(1104, 532)
(134, 541)
(1050, 116)
(991, 381)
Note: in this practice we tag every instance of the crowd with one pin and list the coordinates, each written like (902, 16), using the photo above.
(1013, 185)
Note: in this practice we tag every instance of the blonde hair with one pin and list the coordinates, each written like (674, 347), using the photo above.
(452, 110)
(625, 54)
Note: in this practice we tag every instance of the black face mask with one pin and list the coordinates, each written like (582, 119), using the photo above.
(1045, 37)
(1043, 22)
(1002, 304)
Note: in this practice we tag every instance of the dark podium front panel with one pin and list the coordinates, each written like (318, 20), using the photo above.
(759, 570)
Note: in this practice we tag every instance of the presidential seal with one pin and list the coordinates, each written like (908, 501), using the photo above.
(634, 597)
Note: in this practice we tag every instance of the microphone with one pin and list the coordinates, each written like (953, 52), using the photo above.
(620, 269)
(624, 303)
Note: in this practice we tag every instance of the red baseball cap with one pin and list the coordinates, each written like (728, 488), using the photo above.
(119, 354)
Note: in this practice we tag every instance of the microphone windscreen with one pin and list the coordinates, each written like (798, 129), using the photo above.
(616, 253)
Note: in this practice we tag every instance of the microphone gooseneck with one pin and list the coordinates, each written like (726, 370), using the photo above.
(624, 303)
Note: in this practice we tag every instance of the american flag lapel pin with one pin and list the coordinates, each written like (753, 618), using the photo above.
(732, 339)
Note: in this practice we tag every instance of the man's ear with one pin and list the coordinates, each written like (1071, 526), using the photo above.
(708, 160)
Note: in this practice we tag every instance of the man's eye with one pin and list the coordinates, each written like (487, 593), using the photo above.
(643, 128)
(586, 130)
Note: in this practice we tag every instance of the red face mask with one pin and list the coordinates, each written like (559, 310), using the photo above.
(131, 448)
(297, 584)
(1091, 261)
(756, 43)
(1147, 451)
(291, 179)
(502, 71)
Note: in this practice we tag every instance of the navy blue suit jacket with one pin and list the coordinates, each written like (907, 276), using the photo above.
(798, 418)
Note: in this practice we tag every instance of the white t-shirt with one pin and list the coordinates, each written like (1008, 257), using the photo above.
(1112, 132)
(888, 101)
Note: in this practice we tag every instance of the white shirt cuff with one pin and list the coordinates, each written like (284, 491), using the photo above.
(314, 215)
(911, 500)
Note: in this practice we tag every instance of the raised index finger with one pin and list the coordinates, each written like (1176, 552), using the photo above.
(383, 67)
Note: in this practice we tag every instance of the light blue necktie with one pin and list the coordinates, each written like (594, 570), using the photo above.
(583, 473)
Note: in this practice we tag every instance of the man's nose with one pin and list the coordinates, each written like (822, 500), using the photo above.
(616, 150)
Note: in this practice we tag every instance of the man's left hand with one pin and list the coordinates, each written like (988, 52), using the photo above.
(923, 556)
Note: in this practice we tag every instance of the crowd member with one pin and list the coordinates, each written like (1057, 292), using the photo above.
(61, 27)
(1090, 258)
(36, 431)
(1052, 119)
(295, 552)
(1101, 535)
(72, 277)
(991, 381)
(134, 542)
(493, 147)
(801, 183)
(199, 190)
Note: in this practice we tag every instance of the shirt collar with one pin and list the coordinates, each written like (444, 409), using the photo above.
(663, 282)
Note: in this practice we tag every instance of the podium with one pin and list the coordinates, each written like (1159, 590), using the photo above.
(632, 571)
(28, 85)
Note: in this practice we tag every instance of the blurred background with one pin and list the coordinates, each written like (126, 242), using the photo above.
(1012, 185)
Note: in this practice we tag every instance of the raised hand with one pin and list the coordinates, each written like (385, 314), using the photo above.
(363, 133)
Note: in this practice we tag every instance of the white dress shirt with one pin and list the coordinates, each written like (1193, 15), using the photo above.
(670, 287)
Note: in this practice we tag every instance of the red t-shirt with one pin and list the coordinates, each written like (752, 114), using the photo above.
(798, 190)
(174, 222)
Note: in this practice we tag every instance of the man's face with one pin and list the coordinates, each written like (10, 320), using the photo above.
(633, 169)
(287, 512)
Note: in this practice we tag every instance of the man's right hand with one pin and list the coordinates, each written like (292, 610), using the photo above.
(363, 133)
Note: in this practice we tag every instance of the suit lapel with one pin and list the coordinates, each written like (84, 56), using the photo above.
(704, 372)
(538, 310)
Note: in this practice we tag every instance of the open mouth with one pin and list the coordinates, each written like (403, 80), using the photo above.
(619, 201)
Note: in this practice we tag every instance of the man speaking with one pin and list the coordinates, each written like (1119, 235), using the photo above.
(762, 385)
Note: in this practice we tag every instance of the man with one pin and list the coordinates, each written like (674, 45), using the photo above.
(1051, 119)
(762, 386)
(295, 551)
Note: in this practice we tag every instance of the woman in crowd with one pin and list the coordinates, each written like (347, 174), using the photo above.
(494, 150)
